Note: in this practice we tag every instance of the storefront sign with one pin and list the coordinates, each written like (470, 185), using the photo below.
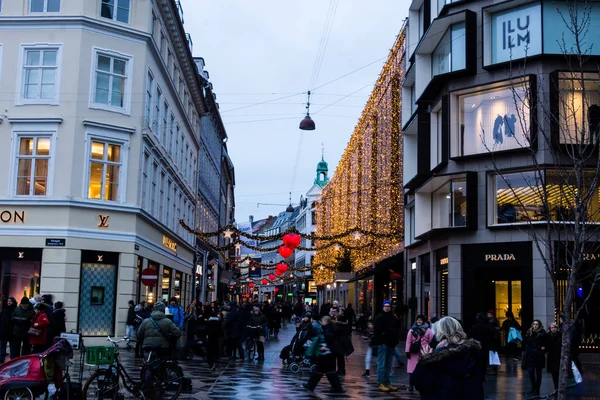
(56, 242)
(500, 257)
(7, 216)
(591, 256)
(169, 243)
(508, 254)
(312, 287)
(444, 261)
(516, 33)
(103, 221)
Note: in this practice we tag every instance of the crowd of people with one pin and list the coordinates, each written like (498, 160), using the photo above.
(30, 326)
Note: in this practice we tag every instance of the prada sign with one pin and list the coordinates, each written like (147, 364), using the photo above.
(509, 254)
(500, 257)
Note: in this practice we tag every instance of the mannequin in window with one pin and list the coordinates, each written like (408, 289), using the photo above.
(497, 132)
(594, 121)
(509, 125)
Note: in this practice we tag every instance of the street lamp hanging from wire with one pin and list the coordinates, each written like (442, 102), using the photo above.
(307, 124)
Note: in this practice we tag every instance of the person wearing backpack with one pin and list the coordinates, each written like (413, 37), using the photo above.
(158, 332)
(417, 342)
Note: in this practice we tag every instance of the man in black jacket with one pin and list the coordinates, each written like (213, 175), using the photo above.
(386, 339)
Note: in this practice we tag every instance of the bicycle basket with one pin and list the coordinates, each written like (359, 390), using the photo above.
(99, 355)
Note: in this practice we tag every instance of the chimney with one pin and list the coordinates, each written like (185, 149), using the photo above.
(251, 219)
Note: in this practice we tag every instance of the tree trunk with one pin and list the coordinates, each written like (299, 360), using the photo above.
(565, 353)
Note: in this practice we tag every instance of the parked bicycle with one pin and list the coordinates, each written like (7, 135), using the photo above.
(160, 379)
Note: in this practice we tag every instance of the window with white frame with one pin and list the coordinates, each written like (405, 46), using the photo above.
(171, 133)
(149, 89)
(41, 75)
(185, 164)
(153, 187)
(168, 221)
(117, 10)
(491, 119)
(579, 108)
(161, 195)
(179, 214)
(32, 164)
(182, 153)
(450, 53)
(449, 205)
(111, 81)
(176, 148)
(44, 5)
(105, 170)
(157, 104)
(145, 167)
(175, 215)
(163, 124)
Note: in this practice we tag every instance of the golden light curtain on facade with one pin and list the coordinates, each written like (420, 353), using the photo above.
(366, 190)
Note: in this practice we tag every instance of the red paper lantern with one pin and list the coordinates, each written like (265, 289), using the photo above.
(292, 240)
(272, 277)
(282, 267)
(251, 284)
(278, 272)
(264, 281)
(285, 251)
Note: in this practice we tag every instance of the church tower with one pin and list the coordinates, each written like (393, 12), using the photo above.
(322, 169)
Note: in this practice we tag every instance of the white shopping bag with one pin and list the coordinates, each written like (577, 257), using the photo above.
(494, 358)
(576, 373)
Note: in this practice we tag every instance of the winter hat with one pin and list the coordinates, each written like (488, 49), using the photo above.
(387, 303)
(256, 309)
(160, 306)
(24, 300)
(422, 317)
(137, 308)
(491, 312)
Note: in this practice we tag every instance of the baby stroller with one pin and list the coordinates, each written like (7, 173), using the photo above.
(27, 377)
(293, 355)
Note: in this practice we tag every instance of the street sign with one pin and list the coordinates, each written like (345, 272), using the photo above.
(50, 242)
(149, 277)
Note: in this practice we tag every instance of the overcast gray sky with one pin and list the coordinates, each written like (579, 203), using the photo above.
(265, 51)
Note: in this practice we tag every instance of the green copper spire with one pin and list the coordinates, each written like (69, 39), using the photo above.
(322, 169)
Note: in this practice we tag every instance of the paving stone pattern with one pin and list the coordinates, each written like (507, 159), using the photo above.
(269, 380)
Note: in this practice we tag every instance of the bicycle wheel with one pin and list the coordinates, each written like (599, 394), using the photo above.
(102, 384)
(165, 382)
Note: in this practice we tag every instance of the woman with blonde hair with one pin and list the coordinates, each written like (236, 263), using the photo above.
(453, 370)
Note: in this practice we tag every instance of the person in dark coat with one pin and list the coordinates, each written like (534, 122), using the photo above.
(343, 345)
(21, 318)
(534, 358)
(386, 339)
(58, 322)
(233, 328)
(511, 347)
(325, 308)
(6, 325)
(553, 348)
(484, 334)
(495, 343)
(325, 361)
(453, 370)
(214, 331)
(350, 316)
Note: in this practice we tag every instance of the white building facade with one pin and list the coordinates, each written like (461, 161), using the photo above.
(99, 136)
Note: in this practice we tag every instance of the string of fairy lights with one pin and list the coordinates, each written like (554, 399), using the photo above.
(359, 214)
(365, 191)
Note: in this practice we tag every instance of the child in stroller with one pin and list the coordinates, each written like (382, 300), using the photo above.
(293, 355)
(30, 376)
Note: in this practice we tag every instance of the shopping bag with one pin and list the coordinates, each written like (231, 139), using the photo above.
(514, 336)
(576, 373)
(494, 358)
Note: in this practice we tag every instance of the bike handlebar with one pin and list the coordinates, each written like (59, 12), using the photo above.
(116, 342)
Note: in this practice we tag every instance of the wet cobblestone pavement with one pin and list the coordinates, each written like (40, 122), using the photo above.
(269, 380)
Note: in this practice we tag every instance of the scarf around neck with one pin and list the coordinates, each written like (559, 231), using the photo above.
(417, 330)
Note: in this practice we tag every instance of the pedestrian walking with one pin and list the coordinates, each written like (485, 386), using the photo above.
(553, 349)
(324, 358)
(484, 334)
(511, 346)
(258, 319)
(130, 324)
(350, 316)
(452, 371)
(343, 345)
(6, 325)
(214, 331)
(386, 339)
(417, 342)
(534, 358)
(371, 350)
(495, 343)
